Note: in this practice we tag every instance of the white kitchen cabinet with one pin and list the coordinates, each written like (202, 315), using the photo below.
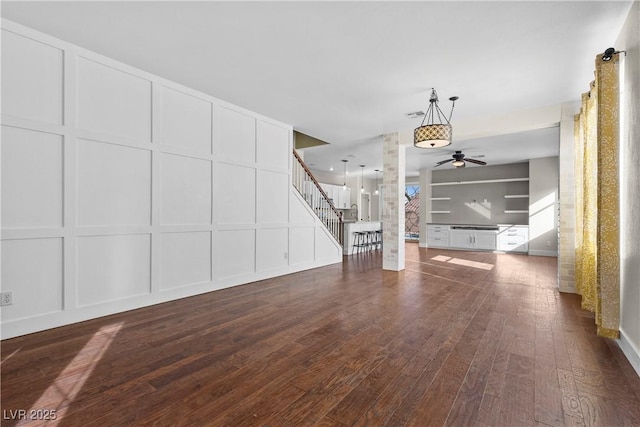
(463, 237)
(438, 235)
(485, 240)
(340, 197)
(328, 189)
(507, 238)
(335, 195)
(514, 238)
(343, 198)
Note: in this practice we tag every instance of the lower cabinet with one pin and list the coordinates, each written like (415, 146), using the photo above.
(513, 238)
(507, 238)
(438, 235)
(461, 239)
(467, 239)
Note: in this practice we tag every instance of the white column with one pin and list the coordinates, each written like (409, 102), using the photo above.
(393, 202)
(425, 205)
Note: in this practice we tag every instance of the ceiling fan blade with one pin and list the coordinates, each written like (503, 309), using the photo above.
(478, 162)
(444, 161)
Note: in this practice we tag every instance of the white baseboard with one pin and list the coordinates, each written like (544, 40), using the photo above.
(630, 351)
(537, 252)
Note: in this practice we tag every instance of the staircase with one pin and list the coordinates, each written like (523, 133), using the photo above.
(320, 203)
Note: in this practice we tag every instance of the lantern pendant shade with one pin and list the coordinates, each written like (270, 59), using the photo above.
(432, 136)
(435, 130)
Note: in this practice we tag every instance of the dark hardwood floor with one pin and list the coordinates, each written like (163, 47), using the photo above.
(458, 338)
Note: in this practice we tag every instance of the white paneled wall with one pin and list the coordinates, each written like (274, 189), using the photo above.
(121, 189)
(113, 184)
(33, 160)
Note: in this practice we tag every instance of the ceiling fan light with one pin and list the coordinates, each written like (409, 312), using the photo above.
(432, 136)
(458, 163)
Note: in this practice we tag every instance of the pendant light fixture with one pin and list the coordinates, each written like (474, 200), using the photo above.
(437, 131)
(344, 186)
(361, 178)
(376, 192)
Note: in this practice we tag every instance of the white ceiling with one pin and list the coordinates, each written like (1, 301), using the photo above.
(347, 72)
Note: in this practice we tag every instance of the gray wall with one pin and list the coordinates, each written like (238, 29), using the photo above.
(543, 206)
(462, 206)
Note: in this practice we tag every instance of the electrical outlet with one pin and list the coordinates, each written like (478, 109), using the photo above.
(6, 298)
(286, 255)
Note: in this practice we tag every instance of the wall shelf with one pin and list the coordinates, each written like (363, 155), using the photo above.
(440, 212)
(517, 211)
(440, 198)
(516, 196)
(482, 181)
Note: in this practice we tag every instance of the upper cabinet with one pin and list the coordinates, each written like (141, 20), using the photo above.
(340, 196)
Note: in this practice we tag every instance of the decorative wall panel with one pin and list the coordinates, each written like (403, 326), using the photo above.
(324, 244)
(31, 178)
(186, 121)
(273, 197)
(33, 267)
(114, 184)
(186, 190)
(299, 213)
(300, 251)
(273, 147)
(235, 136)
(113, 101)
(185, 259)
(113, 268)
(272, 248)
(235, 194)
(236, 253)
(32, 82)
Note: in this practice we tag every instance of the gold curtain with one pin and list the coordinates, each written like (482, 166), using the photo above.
(597, 198)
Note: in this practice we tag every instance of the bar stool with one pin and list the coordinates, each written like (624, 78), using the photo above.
(371, 240)
(377, 239)
(360, 241)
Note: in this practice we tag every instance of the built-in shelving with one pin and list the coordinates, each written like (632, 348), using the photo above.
(516, 196)
(440, 198)
(517, 211)
(482, 181)
(440, 212)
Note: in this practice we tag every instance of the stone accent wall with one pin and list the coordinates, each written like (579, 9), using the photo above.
(393, 181)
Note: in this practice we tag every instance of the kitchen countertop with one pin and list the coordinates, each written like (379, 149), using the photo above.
(477, 225)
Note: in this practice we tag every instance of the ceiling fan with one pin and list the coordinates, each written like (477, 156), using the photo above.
(459, 160)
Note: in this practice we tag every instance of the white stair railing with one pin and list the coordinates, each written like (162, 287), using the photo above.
(312, 192)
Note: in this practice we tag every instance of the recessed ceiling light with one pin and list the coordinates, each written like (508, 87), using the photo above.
(351, 155)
